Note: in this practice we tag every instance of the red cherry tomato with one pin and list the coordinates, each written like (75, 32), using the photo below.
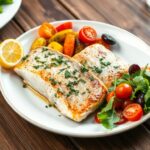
(122, 118)
(64, 26)
(100, 41)
(87, 35)
(123, 91)
(133, 112)
(117, 103)
(97, 120)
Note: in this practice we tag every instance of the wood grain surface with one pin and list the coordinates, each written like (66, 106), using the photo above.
(132, 15)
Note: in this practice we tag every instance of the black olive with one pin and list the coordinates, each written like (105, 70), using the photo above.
(134, 68)
(140, 99)
(108, 39)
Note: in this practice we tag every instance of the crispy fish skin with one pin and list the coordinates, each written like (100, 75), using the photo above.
(74, 91)
(102, 62)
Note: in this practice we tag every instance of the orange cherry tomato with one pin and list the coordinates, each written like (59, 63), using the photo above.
(69, 44)
(133, 112)
(87, 35)
(46, 30)
(123, 91)
(64, 26)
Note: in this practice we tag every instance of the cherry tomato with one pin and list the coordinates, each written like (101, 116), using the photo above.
(133, 112)
(117, 103)
(97, 120)
(87, 35)
(46, 30)
(123, 91)
(64, 26)
(100, 41)
(122, 118)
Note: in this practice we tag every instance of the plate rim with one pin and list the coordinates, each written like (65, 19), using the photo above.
(10, 18)
(56, 130)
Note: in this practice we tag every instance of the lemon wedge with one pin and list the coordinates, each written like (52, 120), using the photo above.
(11, 53)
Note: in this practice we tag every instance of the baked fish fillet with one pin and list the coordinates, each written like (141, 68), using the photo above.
(74, 90)
(102, 62)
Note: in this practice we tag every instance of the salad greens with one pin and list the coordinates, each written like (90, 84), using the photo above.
(140, 82)
(108, 115)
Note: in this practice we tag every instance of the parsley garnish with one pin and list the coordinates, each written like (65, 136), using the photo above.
(53, 81)
(91, 78)
(25, 57)
(44, 49)
(37, 66)
(67, 74)
(84, 69)
(96, 69)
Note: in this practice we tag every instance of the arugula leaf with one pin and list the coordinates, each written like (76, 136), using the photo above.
(109, 119)
(108, 115)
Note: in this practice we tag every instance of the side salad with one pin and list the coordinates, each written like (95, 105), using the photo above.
(65, 40)
(128, 98)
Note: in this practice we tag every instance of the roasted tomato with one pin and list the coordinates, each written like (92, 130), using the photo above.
(64, 26)
(87, 35)
(46, 30)
(133, 112)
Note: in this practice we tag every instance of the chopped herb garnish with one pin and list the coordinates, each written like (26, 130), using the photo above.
(67, 74)
(84, 69)
(55, 95)
(107, 63)
(59, 91)
(46, 106)
(47, 66)
(91, 78)
(59, 60)
(39, 61)
(81, 80)
(88, 90)
(44, 49)
(53, 81)
(25, 57)
(96, 69)
(37, 67)
(101, 59)
(116, 67)
(75, 71)
(83, 93)
(37, 58)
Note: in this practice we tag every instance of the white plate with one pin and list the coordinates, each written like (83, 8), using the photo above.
(31, 108)
(8, 12)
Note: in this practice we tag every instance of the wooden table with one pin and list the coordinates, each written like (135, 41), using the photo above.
(132, 15)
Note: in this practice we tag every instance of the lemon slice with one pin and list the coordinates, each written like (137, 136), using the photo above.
(11, 53)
